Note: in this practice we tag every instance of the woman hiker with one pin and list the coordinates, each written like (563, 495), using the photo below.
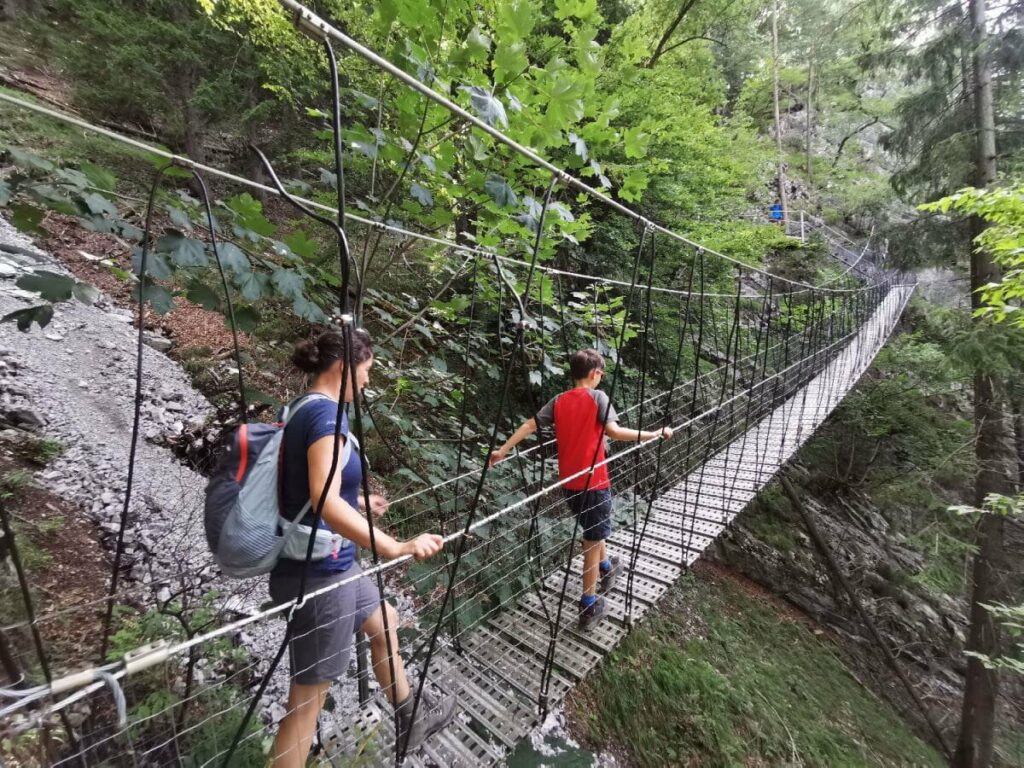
(324, 627)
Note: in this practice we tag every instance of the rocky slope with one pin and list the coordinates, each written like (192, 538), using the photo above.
(74, 382)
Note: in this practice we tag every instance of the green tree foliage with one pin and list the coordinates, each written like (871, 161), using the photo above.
(927, 44)
(260, 261)
(1003, 211)
(166, 67)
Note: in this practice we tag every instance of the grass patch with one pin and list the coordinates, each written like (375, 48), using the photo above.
(947, 544)
(44, 450)
(13, 481)
(39, 451)
(750, 688)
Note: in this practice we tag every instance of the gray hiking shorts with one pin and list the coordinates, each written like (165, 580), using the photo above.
(323, 628)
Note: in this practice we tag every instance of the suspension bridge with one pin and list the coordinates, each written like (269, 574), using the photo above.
(497, 672)
(754, 365)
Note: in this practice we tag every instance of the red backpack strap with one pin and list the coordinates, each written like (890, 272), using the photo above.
(243, 451)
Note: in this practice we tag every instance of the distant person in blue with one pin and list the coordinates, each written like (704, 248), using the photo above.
(323, 627)
(775, 211)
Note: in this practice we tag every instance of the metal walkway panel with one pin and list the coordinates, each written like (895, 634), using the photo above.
(680, 521)
(485, 697)
(603, 636)
(670, 552)
(646, 591)
(678, 535)
(653, 568)
(691, 509)
(524, 628)
(520, 668)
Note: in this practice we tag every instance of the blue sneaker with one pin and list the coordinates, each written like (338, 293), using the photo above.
(609, 577)
(591, 614)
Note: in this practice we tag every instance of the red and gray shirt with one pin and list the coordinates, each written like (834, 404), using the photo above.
(578, 417)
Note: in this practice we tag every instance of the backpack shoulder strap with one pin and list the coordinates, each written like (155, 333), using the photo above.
(296, 405)
(343, 459)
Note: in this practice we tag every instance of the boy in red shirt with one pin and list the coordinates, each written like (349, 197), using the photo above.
(581, 417)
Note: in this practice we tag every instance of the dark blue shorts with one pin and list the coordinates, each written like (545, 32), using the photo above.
(594, 510)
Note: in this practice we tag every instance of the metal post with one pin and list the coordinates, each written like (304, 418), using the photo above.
(362, 668)
(802, 226)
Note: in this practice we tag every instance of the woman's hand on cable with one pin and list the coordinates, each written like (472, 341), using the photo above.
(424, 546)
(378, 504)
(496, 456)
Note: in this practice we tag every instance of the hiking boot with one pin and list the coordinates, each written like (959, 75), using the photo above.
(609, 577)
(431, 717)
(592, 614)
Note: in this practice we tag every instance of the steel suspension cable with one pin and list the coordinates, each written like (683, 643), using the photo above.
(115, 572)
(344, 257)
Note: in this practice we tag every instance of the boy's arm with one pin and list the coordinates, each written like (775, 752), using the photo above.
(607, 416)
(527, 428)
(545, 418)
(615, 432)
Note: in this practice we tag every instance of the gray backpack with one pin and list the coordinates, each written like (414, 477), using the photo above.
(244, 527)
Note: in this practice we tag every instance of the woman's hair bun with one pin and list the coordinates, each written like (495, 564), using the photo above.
(306, 356)
(317, 356)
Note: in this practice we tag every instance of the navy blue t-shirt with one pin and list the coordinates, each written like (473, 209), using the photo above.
(314, 421)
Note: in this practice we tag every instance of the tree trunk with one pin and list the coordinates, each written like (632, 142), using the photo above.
(659, 49)
(253, 165)
(778, 121)
(1018, 430)
(994, 450)
(193, 130)
(810, 108)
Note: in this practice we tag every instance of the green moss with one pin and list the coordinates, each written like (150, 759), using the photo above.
(753, 689)
(771, 521)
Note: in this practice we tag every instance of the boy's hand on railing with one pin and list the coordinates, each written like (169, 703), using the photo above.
(496, 456)
(666, 433)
